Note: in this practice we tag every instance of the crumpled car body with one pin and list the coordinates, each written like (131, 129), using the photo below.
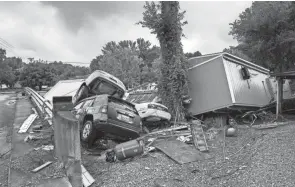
(98, 83)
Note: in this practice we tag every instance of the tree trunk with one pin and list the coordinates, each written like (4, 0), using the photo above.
(171, 87)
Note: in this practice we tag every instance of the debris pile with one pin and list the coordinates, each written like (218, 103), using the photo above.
(184, 142)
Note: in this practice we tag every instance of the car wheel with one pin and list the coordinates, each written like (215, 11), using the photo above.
(88, 133)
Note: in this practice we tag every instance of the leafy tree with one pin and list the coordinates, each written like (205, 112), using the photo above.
(9, 69)
(94, 65)
(37, 74)
(6, 75)
(110, 47)
(63, 71)
(235, 51)
(148, 54)
(265, 33)
(165, 20)
(140, 48)
(122, 63)
(195, 54)
(2, 55)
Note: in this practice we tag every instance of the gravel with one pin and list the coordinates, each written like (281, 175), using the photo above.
(253, 158)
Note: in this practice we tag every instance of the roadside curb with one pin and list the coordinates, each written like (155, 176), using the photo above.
(11, 145)
(19, 117)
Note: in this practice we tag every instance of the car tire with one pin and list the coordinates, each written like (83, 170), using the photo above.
(88, 134)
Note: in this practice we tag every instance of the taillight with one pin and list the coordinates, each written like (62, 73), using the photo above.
(104, 109)
(152, 106)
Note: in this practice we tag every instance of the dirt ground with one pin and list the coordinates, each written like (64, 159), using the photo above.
(253, 158)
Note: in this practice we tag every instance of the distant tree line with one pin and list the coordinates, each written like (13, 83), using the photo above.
(36, 73)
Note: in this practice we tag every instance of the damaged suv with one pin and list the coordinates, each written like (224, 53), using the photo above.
(98, 83)
(107, 117)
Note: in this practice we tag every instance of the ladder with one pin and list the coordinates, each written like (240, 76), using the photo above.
(198, 134)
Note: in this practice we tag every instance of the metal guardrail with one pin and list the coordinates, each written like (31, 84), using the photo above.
(44, 106)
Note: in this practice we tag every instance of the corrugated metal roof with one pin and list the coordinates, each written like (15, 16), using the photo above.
(196, 61)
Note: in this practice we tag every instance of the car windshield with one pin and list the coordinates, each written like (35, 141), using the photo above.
(122, 105)
(103, 87)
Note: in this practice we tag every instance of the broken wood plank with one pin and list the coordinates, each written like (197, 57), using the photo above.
(170, 129)
(270, 125)
(27, 123)
(42, 166)
(87, 179)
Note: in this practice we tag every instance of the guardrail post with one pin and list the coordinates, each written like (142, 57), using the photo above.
(67, 139)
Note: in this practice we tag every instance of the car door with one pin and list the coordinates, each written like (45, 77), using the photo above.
(77, 111)
(88, 103)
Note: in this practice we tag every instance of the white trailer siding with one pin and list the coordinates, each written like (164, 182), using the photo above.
(251, 92)
(215, 82)
(208, 87)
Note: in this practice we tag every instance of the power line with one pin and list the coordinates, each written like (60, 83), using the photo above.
(4, 45)
(6, 48)
(6, 42)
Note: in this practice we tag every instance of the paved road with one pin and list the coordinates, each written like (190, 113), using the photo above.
(7, 111)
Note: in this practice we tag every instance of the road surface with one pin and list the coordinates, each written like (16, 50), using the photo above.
(7, 111)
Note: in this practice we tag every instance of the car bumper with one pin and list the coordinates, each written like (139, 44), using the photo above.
(155, 115)
(119, 129)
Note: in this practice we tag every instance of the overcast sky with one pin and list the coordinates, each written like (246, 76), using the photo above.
(76, 31)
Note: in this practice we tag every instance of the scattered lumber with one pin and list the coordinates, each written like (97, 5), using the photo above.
(42, 166)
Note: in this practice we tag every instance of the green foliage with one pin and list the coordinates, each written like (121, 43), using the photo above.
(67, 71)
(37, 74)
(235, 51)
(2, 55)
(40, 73)
(10, 68)
(139, 55)
(265, 33)
(195, 54)
(165, 20)
(123, 63)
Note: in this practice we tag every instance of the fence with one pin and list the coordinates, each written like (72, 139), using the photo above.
(66, 133)
(43, 106)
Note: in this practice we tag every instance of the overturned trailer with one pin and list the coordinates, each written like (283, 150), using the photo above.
(222, 82)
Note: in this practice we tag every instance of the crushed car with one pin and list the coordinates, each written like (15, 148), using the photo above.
(107, 117)
(98, 83)
(152, 112)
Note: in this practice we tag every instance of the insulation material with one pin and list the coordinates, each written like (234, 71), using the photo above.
(87, 179)
(27, 123)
